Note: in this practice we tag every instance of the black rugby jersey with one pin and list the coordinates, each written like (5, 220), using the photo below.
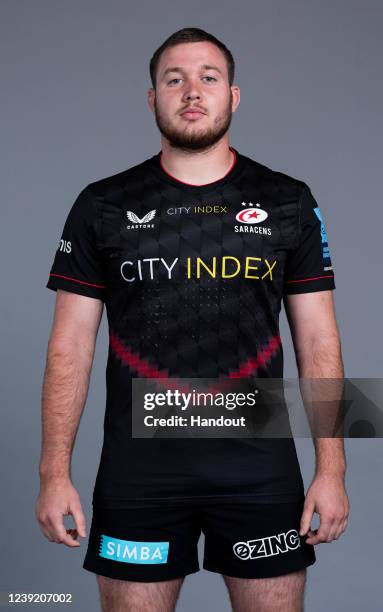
(192, 278)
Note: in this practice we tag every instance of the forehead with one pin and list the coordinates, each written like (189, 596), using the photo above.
(190, 56)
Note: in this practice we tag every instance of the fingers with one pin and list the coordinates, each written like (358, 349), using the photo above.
(54, 502)
(52, 526)
(342, 527)
(333, 518)
(321, 534)
(54, 529)
(79, 519)
(306, 518)
(330, 529)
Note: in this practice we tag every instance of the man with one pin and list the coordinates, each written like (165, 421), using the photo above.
(152, 243)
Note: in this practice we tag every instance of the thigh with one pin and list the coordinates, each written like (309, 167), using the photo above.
(147, 544)
(255, 540)
(278, 594)
(129, 596)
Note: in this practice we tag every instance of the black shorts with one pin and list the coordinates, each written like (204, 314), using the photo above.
(245, 540)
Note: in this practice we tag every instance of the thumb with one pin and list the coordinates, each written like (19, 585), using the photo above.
(306, 518)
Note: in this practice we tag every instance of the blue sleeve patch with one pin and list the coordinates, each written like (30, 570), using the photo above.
(325, 247)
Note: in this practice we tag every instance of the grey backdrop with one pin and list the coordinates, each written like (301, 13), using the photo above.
(74, 81)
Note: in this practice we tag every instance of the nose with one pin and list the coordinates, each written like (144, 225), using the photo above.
(192, 96)
(191, 92)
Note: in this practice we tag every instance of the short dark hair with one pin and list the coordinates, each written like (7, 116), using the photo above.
(190, 35)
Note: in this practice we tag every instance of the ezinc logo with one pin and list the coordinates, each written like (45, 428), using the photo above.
(140, 223)
(267, 547)
(250, 216)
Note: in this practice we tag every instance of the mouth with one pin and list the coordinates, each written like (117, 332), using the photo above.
(192, 113)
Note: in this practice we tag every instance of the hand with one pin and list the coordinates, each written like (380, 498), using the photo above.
(58, 498)
(326, 496)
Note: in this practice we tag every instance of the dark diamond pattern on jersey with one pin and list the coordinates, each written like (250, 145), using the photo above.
(195, 327)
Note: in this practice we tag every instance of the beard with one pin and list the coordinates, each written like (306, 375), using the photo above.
(197, 139)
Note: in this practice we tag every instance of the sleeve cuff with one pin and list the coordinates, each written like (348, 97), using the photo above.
(59, 281)
(309, 284)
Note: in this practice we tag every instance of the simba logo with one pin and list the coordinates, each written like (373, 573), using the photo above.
(133, 552)
(140, 223)
(267, 547)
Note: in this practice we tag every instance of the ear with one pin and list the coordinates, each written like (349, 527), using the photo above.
(151, 98)
(236, 93)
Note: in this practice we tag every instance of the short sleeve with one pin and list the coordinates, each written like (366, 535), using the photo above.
(77, 266)
(308, 267)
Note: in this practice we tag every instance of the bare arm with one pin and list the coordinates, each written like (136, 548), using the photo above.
(65, 387)
(317, 347)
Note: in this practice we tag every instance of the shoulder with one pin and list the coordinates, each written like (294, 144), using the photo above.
(111, 185)
(274, 179)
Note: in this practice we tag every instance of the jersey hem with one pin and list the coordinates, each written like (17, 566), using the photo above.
(235, 497)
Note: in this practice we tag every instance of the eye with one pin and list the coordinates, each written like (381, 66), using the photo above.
(211, 78)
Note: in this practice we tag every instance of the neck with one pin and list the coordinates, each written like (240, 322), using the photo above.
(197, 167)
